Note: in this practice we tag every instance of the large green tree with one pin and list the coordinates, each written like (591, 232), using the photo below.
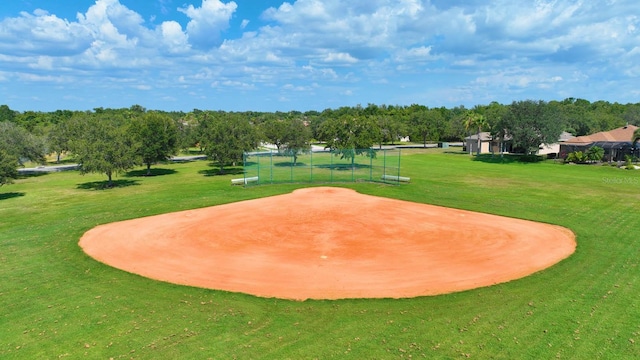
(426, 124)
(157, 137)
(16, 146)
(391, 127)
(8, 168)
(59, 137)
(6, 114)
(227, 137)
(21, 145)
(297, 138)
(350, 135)
(274, 131)
(105, 145)
(291, 136)
(531, 123)
(187, 126)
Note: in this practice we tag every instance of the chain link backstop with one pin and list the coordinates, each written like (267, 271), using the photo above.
(273, 167)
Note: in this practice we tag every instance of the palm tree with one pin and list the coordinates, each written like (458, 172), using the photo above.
(475, 120)
(635, 138)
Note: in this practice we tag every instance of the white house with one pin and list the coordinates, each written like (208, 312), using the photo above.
(555, 147)
(489, 145)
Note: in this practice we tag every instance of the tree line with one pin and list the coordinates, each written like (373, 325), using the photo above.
(110, 141)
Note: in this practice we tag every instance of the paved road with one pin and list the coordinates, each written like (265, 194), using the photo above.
(48, 169)
(68, 167)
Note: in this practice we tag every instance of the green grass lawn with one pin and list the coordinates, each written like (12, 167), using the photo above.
(56, 302)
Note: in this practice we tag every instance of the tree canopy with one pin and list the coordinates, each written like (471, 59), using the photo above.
(105, 145)
(529, 124)
(21, 145)
(426, 124)
(27, 136)
(274, 131)
(227, 137)
(297, 138)
(59, 137)
(350, 135)
(290, 136)
(157, 138)
(8, 168)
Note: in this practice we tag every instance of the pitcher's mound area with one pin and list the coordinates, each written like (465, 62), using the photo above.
(330, 243)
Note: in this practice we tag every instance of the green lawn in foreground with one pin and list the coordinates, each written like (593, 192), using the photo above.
(56, 302)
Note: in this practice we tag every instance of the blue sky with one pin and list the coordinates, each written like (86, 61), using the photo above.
(314, 54)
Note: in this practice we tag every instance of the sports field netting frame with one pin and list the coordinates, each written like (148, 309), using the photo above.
(273, 167)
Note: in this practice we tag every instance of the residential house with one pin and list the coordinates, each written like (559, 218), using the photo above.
(616, 143)
(490, 145)
(486, 142)
(554, 149)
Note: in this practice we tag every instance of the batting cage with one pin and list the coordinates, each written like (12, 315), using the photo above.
(328, 166)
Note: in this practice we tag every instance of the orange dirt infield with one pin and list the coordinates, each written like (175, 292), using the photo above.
(330, 243)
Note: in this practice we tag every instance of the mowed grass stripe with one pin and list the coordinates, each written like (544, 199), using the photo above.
(57, 302)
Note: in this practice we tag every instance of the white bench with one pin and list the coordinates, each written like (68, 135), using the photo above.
(244, 181)
(395, 178)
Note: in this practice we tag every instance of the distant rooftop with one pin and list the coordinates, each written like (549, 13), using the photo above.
(621, 134)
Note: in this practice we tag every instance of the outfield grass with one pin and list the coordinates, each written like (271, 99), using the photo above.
(57, 302)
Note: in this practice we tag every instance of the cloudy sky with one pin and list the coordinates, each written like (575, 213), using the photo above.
(268, 55)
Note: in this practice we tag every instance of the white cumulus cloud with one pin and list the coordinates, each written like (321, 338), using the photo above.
(207, 21)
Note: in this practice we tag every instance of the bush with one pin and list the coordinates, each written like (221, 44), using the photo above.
(595, 153)
(576, 157)
(628, 163)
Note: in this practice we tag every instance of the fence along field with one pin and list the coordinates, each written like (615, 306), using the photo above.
(273, 167)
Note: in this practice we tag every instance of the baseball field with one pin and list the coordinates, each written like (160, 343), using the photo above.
(59, 302)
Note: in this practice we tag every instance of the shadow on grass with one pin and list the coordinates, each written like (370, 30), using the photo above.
(454, 152)
(29, 174)
(10, 195)
(508, 158)
(216, 172)
(154, 172)
(289, 164)
(104, 185)
(342, 167)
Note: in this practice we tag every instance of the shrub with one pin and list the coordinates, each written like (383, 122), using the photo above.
(628, 163)
(595, 153)
(576, 157)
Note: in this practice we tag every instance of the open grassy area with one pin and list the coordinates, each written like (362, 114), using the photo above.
(56, 302)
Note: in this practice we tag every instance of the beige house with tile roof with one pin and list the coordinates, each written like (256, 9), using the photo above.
(616, 143)
(490, 145)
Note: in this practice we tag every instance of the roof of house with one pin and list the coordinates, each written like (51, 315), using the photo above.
(565, 136)
(484, 136)
(621, 134)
